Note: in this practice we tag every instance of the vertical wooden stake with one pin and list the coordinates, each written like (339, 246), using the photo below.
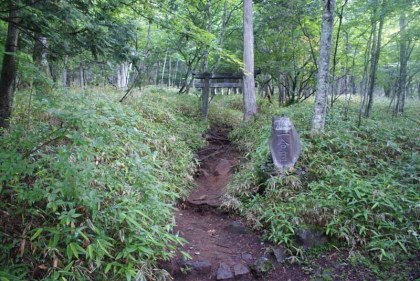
(206, 91)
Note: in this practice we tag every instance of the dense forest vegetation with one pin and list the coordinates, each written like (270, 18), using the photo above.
(100, 122)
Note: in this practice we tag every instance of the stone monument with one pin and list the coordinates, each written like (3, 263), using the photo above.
(285, 143)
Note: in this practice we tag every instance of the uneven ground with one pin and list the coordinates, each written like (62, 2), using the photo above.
(222, 248)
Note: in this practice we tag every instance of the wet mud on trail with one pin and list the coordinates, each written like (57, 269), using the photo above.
(220, 246)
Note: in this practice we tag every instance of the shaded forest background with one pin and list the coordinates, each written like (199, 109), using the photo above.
(137, 43)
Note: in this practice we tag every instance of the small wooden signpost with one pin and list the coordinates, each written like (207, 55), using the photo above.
(285, 146)
(205, 84)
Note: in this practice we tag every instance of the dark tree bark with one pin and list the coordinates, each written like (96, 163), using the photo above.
(157, 73)
(376, 51)
(9, 67)
(337, 39)
(402, 81)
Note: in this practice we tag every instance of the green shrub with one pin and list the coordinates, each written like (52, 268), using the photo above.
(360, 185)
(88, 185)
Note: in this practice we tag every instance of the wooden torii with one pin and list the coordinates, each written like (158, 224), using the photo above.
(205, 84)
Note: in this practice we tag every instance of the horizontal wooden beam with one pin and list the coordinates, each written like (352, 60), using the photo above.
(236, 75)
(219, 85)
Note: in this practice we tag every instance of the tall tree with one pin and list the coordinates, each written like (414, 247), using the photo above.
(320, 111)
(402, 81)
(376, 51)
(250, 101)
(8, 71)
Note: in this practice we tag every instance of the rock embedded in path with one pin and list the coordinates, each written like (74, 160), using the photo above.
(236, 227)
(202, 266)
(240, 269)
(247, 257)
(279, 254)
(310, 238)
(224, 272)
(223, 168)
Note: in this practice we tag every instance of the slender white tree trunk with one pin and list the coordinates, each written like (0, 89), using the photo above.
(176, 72)
(169, 72)
(163, 69)
(123, 75)
(402, 87)
(250, 101)
(81, 76)
(41, 54)
(66, 57)
(320, 111)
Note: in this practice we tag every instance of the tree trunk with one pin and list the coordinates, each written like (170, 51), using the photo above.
(169, 72)
(365, 81)
(81, 76)
(9, 67)
(176, 73)
(250, 101)
(402, 83)
(123, 75)
(209, 30)
(376, 51)
(418, 90)
(157, 73)
(40, 54)
(320, 111)
(337, 39)
(222, 33)
(66, 57)
(163, 69)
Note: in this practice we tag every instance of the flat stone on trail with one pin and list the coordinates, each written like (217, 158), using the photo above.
(279, 254)
(240, 269)
(203, 266)
(224, 272)
(236, 227)
(247, 257)
(223, 168)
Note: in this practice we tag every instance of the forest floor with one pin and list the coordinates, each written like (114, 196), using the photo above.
(223, 248)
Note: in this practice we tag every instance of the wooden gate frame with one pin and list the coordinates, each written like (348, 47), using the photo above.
(206, 85)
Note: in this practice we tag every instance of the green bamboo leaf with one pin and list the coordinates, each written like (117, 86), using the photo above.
(36, 234)
(73, 247)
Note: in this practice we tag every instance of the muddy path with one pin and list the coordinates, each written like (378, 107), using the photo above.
(220, 246)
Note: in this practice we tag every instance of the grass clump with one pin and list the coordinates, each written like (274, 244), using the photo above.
(88, 185)
(357, 185)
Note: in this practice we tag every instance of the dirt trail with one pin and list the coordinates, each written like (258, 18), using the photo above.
(221, 247)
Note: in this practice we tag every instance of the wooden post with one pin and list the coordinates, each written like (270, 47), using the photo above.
(206, 90)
